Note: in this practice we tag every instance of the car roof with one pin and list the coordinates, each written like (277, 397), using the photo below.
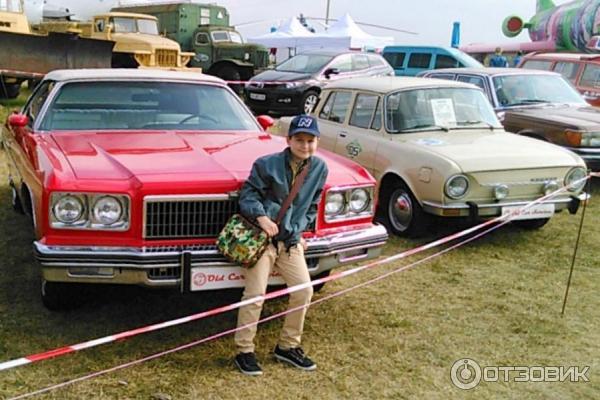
(493, 71)
(119, 14)
(64, 75)
(333, 53)
(385, 84)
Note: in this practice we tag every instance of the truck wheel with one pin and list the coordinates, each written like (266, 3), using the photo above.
(57, 296)
(9, 91)
(230, 73)
(309, 102)
(402, 214)
(531, 224)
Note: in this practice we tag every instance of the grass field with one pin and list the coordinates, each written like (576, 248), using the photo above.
(496, 300)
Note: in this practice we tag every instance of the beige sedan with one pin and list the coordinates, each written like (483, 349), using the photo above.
(436, 148)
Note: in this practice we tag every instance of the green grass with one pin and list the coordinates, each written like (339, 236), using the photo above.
(496, 300)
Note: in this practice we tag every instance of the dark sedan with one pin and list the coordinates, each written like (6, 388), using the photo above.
(538, 104)
(293, 87)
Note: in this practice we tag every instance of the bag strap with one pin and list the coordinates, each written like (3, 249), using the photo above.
(293, 192)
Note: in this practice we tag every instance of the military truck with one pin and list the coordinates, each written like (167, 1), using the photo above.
(136, 37)
(204, 29)
(28, 57)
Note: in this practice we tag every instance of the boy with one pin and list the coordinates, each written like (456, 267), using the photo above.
(261, 197)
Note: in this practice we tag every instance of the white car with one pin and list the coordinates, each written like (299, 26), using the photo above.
(437, 148)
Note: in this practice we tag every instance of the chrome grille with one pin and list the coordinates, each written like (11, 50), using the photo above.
(164, 273)
(173, 217)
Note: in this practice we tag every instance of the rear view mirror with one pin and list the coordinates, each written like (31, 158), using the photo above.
(18, 120)
(265, 121)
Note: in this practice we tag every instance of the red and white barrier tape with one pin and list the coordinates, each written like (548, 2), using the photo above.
(151, 328)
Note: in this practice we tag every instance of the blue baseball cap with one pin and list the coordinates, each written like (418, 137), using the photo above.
(304, 124)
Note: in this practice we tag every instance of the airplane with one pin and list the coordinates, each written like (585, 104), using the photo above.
(573, 26)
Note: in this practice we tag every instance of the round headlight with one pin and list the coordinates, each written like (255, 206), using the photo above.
(500, 191)
(359, 200)
(68, 209)
(457, 186)
(335, 203)
(575, 177)
(107, 210)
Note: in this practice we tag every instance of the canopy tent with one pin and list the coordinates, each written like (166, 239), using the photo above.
(346, 28)
(291, 34)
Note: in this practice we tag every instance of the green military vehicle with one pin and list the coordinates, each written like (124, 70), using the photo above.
(204, 30)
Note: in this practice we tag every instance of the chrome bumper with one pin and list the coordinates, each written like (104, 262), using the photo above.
(164, 266)
(495, 209)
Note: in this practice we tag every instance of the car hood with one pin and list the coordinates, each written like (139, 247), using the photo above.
(279, 76)
(582, 117)
(475, 151)
(185, 156)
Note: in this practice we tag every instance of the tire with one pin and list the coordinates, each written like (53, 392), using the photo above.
(57, 296)
(230, 73)
(401, 212)
(309, 102)
(9, 91)
(531, 224)
(317, 288)
(16, 201)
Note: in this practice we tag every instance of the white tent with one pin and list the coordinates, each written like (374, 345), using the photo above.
(345, 27)
(292, 35)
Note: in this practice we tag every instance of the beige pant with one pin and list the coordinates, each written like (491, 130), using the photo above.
(292, 267)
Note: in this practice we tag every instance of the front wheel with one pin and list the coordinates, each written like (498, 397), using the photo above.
(309, 102)
(531, 224)
(402, 214)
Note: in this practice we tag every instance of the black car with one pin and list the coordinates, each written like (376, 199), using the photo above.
(293, 86)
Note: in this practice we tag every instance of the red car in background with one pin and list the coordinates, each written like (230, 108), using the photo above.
(583, 70)
(129, 175)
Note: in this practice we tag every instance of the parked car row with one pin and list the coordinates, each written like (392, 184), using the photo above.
(129, 175)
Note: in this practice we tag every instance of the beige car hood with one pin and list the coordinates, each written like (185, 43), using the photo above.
(475, 151)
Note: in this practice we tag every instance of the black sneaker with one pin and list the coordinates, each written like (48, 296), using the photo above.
(247, 363)
(296, 357)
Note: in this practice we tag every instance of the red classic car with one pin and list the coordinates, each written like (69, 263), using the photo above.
(129, 175)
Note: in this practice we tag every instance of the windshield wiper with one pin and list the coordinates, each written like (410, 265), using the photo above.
(423, 126)
(475, 122)
(530, 101)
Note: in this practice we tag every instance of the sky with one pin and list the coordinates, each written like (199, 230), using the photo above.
(480, 20)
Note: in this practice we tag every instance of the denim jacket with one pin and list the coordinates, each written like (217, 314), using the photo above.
(269, 184)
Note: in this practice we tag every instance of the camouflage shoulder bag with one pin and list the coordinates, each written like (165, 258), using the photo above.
(243, 242)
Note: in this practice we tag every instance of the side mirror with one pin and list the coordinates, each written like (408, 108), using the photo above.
(18, 120)
(331, 71)
(265, 121)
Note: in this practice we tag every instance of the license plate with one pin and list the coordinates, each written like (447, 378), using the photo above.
(258, 96)
(210, 278)
(534, 212)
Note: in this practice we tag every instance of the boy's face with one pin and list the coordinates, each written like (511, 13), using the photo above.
(302, 145)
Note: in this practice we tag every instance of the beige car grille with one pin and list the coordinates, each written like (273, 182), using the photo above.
(167, 58)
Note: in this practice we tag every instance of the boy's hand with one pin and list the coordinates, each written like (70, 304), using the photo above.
(267, 225)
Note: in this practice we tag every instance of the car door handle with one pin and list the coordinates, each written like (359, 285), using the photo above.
(343, 133)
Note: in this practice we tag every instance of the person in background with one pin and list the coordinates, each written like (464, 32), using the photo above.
(261, 197)
(498, 60)
(517, 58)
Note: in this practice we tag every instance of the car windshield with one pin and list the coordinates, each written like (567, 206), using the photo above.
(236, 37)
(127, 105)
(220, 36)
(518, 90)
(304, 63)
(11, 6)
(123, 25)
(438, 109)
(148, 26)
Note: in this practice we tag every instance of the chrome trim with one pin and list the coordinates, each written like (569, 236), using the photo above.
(85, 222)
(346, 214)
(188, 197)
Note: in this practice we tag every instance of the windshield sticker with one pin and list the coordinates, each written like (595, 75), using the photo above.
(443, 112)
(353, 148)
(430, 142)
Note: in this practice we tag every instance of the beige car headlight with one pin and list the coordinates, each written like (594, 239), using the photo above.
(359, 200)
(68, 209)
(456, 186)
(107, 210)
(576, 178)
(335, 203)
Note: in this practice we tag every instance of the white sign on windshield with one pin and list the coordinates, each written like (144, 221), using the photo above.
(443, 112)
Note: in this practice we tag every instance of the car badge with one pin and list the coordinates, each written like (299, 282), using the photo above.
(353, 148)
